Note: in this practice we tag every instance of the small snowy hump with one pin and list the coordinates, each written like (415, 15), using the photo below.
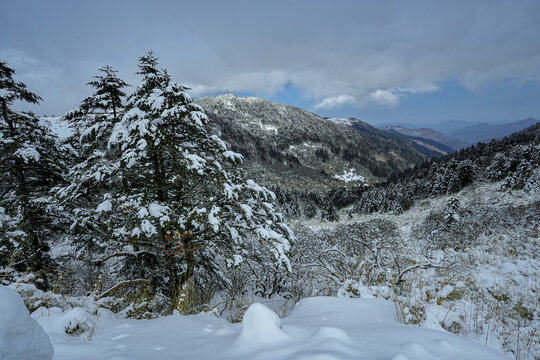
(340, 121)
(21, 337)
(344, 312)
(261, 326)
(332, 333)
(349, 176)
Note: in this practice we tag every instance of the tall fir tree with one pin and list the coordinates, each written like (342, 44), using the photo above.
(31, 162)
(329, 212)
(92, 174)
(94, 119)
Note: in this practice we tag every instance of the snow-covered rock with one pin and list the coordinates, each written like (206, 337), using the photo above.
(261, 325)
(21, 337)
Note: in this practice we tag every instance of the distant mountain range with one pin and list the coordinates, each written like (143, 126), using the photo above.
(431, 139)
(287, 146)
(484, 132)
(444, 127)
(455, 136)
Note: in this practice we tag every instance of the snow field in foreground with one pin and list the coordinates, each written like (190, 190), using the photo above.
(21, 337)
(319, 328)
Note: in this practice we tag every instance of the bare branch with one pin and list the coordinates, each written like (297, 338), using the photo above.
(122, 284)
(422, 266)
(119, 254)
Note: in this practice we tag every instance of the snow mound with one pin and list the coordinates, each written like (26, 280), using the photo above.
(261, 325)
(332, 333)
(341, 312)
(21, 337)
(75, 322)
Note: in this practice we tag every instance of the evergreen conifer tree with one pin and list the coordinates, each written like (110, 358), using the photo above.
(329, 212)
(310, 210)
(94, 120)
(30, 164)
(92, 174)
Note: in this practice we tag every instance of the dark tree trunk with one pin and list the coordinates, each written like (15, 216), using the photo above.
(174, 281)
(114, 107)
(6, 117)
(35, 261)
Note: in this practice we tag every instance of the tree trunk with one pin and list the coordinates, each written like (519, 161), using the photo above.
(174, 281)
(35, 261)
(113, 107)
(6, 117)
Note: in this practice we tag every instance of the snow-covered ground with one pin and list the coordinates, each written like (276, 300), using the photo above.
(58, 125)
(349, 176)
(477, 299)
(319, 328)
(490, 296)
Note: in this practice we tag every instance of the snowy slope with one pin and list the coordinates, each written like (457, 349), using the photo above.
(490, 293)
(58, 125)
(318, 328)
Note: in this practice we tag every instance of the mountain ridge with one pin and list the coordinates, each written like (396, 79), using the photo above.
(286, 145)
(484, 132)
(429, 133)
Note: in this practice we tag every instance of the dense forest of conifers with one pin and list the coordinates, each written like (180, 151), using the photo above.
(512, 158)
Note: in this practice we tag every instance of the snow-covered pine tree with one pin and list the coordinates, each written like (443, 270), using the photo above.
(310, 210)
(108, 92)
(92, 173)
(94, 119)
(498, 167)
(452, 210)
(30, 164)
(466, 170)
(185, 202)
(329, 212)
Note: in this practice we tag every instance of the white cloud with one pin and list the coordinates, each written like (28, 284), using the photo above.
(423, 89)
(392, 97)
(265, 83)
(385, 97)
(335, 102)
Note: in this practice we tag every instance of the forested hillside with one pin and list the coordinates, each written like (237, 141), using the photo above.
(512, 159)
(299, 150)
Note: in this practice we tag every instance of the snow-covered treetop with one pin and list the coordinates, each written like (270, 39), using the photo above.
(11, 90)
(94, 119)
(108, 94)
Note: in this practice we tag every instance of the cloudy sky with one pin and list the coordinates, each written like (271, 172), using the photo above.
(380, 61)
